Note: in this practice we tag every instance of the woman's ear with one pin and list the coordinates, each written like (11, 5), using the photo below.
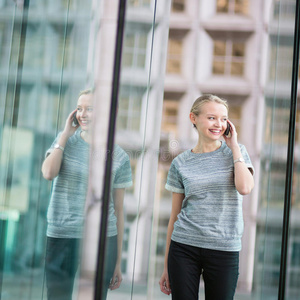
(192, 118)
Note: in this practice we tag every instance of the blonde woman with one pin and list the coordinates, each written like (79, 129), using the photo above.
(206, 222)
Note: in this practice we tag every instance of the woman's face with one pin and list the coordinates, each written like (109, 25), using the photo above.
(85, 111)
(211, 122)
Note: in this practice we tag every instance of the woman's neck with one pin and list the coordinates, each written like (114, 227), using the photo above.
(86, 136)
(203, 147)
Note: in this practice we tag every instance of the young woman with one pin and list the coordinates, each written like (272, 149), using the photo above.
(206, 222)
(67, 164)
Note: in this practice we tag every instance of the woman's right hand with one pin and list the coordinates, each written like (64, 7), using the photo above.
(164, 283)
(69, 129)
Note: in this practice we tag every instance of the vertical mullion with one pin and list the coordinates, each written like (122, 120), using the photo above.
(99, 279)
(290, 159)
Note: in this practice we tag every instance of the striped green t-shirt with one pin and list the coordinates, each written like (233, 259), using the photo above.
(211, 216)
(66, 208)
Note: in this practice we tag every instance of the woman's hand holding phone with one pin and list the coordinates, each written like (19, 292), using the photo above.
(70, 129)
(230, 135)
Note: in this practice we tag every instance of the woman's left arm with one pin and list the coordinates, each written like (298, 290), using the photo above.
(119, 211)
(243, 178)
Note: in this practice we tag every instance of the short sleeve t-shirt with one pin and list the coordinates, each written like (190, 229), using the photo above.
(211, 216)
(66, 209)
(121, 178)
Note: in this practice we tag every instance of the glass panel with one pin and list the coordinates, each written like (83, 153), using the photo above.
(241, 7)
(37, 95)
(137, 138)
(69, 46)
(228, 57)
(178, 6)
(174, 55)
(222, 6)
(273, 162)
(233, 6)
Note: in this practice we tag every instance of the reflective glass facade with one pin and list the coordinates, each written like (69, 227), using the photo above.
(172, 52)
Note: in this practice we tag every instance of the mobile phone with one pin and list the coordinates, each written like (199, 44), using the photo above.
(75, 121)
(227, 131)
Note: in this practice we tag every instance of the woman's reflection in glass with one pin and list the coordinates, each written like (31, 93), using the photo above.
(121, 178)
(67, 164)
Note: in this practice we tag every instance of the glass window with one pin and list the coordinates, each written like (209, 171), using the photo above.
(178, 6)
(280, 67)
(130, 108)
(274, 182)
(277, 125)
(174, 56)
(228, 58)
(285, 10)
(233, 6)
(169, 117)
(139, 3)
(61, 46)
(134, 50)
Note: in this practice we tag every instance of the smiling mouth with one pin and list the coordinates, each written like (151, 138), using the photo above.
(84, 122)
(215, 131)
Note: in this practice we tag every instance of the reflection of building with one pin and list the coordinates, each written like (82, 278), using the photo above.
(40, 77)
(217, 46)
(138, 124)
(273, 160)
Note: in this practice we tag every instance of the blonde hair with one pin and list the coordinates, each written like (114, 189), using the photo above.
(199, 102)
(86, 92)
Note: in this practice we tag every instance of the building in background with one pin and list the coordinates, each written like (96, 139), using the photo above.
(232, 49)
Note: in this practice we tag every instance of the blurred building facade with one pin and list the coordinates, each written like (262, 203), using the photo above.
(237, 50)
(173, 51)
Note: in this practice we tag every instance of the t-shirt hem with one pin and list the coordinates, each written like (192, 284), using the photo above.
(122, 185)
(174, 189)
(213, 244)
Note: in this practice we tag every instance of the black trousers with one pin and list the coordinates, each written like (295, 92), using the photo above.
(220, 270)
(110, 263)
(62, 258)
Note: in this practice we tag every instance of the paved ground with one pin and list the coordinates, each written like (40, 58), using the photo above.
(30, 287)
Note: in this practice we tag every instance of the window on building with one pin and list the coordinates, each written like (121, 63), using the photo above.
(240, 7)
(3, 44)
(174, 56)
(275, 180)
(169, 116)
(60, 47)
(133, 165)
(134, 49)
(139, 3)
(130, 106)
(34, 47)
(178, 6)
(280, 66)
(235, 115)
(277, 125)
(229, 57)
(285, 10)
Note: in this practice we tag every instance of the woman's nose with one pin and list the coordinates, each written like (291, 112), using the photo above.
(218, 123)
(83, 113)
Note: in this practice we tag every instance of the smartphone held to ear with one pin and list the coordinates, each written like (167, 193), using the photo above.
(75, 121)
(227, 131)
